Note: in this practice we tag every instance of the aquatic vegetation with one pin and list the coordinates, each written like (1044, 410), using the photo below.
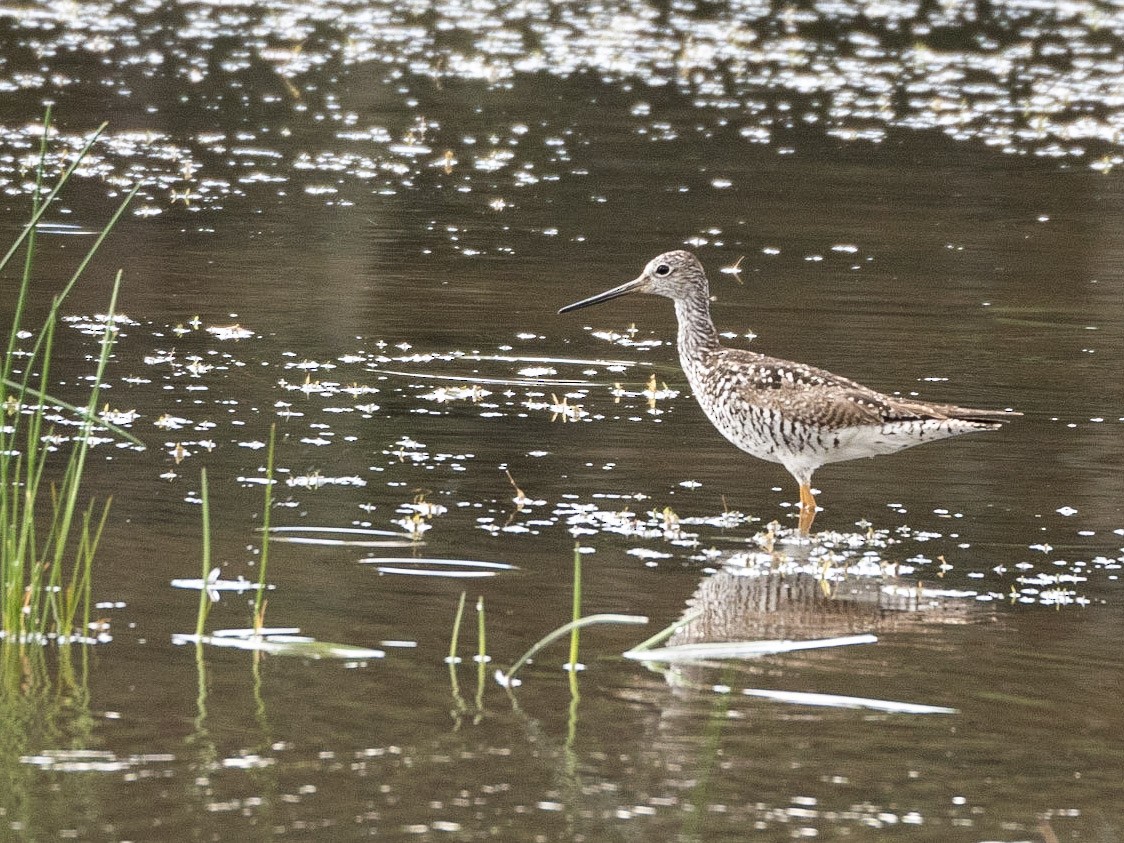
(49, 538)
(672, 660)
(714, 650)
(838, 701)
(447, 568)
(507, 678)
(284, 641)
(402, 153)
(45, 701)
(205, 557)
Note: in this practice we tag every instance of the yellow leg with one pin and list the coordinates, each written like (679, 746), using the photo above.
(807, 509)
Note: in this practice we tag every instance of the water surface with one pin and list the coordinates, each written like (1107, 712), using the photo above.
(392, 202)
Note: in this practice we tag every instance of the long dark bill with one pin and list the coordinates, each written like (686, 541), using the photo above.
(616, 292)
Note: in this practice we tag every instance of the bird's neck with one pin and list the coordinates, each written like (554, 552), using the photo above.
(697, 334)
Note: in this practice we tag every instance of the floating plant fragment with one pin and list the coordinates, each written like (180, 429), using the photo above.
(214, 585)
(424, 572)
(340, 537)
(230, 332)
(89, 760)
(118, 417)
(837, 701)
(317, 481)
(170, 422)
(710, 651)
(415, 525)
(196, 367)
(283, 641)
(449, 568)
(445, 394)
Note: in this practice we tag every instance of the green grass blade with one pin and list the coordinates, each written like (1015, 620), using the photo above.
(667, 631)
(69, 286)
(204, 597)
(29, 257)
(481, 653)
(551, 637)
(77, 463)
(87, 585)
(454, 639)
(576, 610)
(82, 412)
(50, 197)
(266, 512)
(37, 593)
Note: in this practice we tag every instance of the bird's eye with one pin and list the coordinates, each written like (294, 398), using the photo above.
(663, 269)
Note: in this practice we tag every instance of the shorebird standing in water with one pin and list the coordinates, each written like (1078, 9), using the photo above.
(785, 412)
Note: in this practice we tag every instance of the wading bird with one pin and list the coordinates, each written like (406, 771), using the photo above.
(785, 412)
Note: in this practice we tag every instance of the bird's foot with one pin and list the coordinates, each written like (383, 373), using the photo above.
(807, 510)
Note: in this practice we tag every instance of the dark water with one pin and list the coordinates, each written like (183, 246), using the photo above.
(925, 201)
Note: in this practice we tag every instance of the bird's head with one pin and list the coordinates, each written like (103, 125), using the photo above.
(676, 275)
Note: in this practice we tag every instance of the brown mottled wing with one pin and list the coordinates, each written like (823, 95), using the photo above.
(814, 396)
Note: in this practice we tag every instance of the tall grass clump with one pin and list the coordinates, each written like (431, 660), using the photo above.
(48, 534)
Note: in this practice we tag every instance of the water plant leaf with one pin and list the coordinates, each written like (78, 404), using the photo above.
(449, 568)
(395, 539)
(429, 572)
(361, 531)
(712, 650)
(668, 631)
(506, 679)
(47, 200)
(285, 642)
(837, 701)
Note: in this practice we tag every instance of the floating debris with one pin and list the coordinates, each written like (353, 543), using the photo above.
(319, 481)
(741, 649)
(214, 586)
(230, 332)
(280, 642)
(837, 701)
(449, 568)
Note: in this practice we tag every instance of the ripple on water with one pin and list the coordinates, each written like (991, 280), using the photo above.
(1036, 79)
